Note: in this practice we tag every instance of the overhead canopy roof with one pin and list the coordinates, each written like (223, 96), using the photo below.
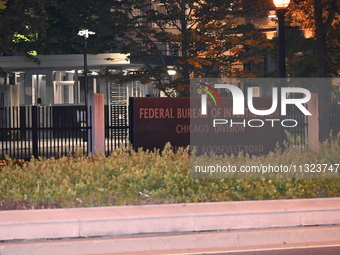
(67, 62)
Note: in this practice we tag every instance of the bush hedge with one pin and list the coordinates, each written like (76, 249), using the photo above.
(143, 177)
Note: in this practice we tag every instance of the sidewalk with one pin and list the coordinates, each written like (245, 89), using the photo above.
(110, 230)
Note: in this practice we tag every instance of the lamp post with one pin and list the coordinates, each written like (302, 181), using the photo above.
(281, 10)
(86, 33)
(171, 72)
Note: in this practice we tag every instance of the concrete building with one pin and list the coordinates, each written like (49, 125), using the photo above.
(59, 79)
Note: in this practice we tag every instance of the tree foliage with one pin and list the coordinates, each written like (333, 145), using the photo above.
(2, 5)
(55, 24)
(322, 17)
(25, 18)
(198, 38)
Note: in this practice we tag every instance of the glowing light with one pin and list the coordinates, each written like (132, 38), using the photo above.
(281, 3)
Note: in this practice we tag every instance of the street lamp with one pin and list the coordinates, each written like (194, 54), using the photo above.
(171, 72)
(281, 3)
(86, 33)
(281, 10)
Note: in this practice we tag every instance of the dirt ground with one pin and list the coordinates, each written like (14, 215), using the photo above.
(25, 205)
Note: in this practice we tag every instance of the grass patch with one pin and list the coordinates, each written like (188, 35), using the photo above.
(146, 177)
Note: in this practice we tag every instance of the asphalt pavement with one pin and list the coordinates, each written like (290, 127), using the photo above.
(304, 250)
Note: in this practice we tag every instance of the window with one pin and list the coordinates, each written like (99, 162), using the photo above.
(39, 89)
(160, 8)
(63, 92)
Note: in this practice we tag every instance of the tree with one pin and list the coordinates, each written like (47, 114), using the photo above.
(198, 38)
(2, 5)
(300, 55)
(52, 25)
(323, 20)
(102, 17)
(24, 18)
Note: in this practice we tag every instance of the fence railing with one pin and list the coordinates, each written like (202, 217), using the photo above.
(335, 118)
(299, 132)
(56, 131)
(116, 127)
(43, 131)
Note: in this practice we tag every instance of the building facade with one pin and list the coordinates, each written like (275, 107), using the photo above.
(59, 80)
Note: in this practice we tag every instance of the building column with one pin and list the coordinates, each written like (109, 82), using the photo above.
(96, 120)
(313, 122)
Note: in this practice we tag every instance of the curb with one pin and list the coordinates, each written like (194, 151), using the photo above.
(179, 244)
(169, 218)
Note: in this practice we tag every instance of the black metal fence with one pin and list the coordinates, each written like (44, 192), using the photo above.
(116, 127)
(56, 131)
(43, 131)
(298, 134)
(335, 118)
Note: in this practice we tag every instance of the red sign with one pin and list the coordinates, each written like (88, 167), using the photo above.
(156, 121)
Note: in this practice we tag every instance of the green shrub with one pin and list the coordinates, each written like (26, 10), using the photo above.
(143, 177)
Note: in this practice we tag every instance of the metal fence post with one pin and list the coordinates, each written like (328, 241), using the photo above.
(35, 149)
